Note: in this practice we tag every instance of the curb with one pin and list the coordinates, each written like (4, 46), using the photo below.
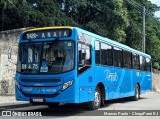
(13, 103)
(157, 90)
(5, 106)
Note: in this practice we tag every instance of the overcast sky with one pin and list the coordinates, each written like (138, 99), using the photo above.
(158, 4)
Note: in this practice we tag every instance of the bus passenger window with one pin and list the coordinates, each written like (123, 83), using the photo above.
(118, 62)
(109, 55)
(97, 52)
(148, 64)
(106, 55)
(135, 62)
(127, 59)
(142, 63)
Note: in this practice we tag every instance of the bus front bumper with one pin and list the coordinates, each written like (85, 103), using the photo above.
(66, 96)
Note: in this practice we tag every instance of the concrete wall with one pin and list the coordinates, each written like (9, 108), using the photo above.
(156, 81)
(7, 69)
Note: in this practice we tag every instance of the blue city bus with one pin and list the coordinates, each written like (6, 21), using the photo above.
(71, 65)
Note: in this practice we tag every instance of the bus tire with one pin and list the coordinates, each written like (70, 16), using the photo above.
(137, 93)
(53, 105)
(96, 103)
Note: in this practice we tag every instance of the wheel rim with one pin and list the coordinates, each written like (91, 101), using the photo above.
(97, 98)
(137, 93)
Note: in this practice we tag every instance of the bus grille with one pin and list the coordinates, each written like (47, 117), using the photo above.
(40, 95)
(41, 80)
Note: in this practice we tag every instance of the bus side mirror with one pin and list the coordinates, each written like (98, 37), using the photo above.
(10, 53)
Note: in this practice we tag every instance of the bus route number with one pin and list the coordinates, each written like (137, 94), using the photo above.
(31, 35)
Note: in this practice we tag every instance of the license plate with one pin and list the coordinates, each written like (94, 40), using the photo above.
(38, 100)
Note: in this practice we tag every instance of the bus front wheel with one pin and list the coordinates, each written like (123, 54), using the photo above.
(95, 104)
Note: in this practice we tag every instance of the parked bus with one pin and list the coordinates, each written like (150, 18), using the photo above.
(71, 65)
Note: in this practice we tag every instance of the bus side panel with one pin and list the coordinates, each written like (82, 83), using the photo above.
(118, 82)
(106, 76)
(146, 82)
(136, 79)
(124, 82)
(149, 81)
(144, 79)
(86, 85)
(143, 82)
(121, 83)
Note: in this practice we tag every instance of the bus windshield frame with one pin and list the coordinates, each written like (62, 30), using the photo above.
(49, 57)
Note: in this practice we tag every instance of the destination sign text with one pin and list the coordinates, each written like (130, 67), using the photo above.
(52, 33)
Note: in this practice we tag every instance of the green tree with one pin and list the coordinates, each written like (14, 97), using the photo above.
(119, 20)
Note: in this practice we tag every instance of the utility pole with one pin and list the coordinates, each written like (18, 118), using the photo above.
(144, 33)
(139, 8)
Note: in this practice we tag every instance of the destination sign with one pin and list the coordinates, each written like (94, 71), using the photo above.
(51, 33)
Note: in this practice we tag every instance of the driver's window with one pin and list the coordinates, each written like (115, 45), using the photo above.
(84, 57)
(80, 54)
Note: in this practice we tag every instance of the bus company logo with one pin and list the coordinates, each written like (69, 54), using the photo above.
(111, 76)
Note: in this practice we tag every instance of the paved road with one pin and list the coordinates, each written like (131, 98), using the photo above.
(148, 101)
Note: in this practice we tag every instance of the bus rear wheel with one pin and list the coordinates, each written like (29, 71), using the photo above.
(95, 104)
(137, 93)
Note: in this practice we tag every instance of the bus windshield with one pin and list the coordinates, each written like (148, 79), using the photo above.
(46, 57)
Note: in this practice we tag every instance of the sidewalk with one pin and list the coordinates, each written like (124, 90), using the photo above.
(7, 100)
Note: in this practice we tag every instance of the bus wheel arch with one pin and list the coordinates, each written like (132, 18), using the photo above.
(99, 97)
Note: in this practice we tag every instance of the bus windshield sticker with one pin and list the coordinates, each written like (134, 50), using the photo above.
(44, 67)
(138, 73)
(69, 44)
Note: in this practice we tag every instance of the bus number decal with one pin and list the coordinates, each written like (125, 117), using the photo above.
(30, 66)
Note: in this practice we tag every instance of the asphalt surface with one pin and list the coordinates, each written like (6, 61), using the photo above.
(148, 101)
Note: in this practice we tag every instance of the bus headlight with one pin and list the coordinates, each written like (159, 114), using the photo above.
(17, 84)
(67, 84)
